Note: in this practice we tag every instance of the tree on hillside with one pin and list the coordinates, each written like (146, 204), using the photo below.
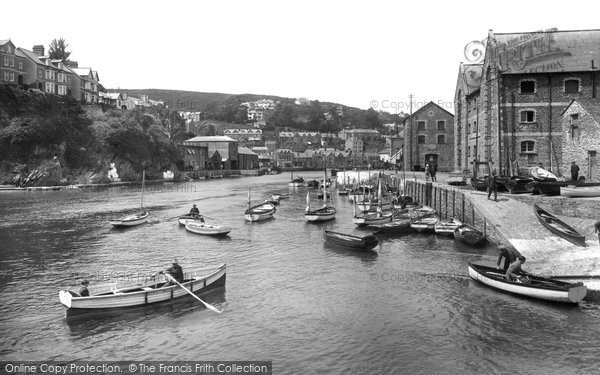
(283, 115)
(58, 50)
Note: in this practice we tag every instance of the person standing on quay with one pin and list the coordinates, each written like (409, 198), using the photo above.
(597, 229)
(574, 171)
(493, 185)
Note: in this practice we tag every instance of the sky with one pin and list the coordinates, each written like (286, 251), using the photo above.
(358, 53)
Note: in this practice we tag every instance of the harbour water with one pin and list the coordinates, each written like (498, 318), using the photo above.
(409, 307)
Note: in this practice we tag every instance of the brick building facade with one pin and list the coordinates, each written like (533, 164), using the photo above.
(527, 80)
(429, 138)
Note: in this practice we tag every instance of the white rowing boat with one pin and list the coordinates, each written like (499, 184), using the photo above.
(535, 287)
(207, 229)
(143, 294)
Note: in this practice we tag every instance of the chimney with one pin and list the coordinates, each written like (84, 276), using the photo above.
(73, 64)
(38, 50)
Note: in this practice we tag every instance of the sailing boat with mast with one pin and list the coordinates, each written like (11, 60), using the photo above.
(325, 213)
(259, 212)
(373, 218)
(343, 190)
(136, 219)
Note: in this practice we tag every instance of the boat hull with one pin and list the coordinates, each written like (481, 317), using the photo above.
(558, 227)
(260, 212)
(469, 235)
(425, 224)
(130, 221)
(556, 291)
(581, 192)
(365, 243)
(372, 219)
(119, 298)
(447, 227)
(207, 229)
(319, 215)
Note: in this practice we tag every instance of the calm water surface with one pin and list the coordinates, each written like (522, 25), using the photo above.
(408, 308)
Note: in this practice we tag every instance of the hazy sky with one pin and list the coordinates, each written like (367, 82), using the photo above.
(361, 54)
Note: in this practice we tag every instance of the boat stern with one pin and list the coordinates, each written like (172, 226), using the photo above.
(577, 293)
(65, 298)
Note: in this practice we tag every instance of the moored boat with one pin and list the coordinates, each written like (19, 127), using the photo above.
(580, 192)
(135, 219)
(130, 220)
(447, 227)
(469, 235)
(259, 212)
(558, 227)
(182, 220)
(350, 241)
(425, 224)
(519, 185)
(534, 287)
(480, 184)
(145, 293)
(324, 213)
(394, 226)
(207, 229)
(296, 181)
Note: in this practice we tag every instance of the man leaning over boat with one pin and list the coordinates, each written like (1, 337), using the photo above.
(515, 272)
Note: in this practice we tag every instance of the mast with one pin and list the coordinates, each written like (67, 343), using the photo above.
(308, 201)
(248, 197)
(143, 180)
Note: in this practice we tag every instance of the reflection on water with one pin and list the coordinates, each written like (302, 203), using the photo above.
(407, 307)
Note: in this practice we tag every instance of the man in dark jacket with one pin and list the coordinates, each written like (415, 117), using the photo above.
(175, 271)
(84, 292)
(574, 171)
(509, 256)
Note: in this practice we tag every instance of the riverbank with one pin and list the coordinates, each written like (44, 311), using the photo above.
(511, 221)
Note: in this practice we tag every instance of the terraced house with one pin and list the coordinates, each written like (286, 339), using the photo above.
(32, 69)
(12, 64)
(526, 82)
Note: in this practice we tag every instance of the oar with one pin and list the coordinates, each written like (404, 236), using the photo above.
(571, 277)
(210, 307)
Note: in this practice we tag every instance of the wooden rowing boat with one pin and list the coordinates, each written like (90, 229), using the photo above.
(534, 287)
(182, 220)
(558, 227)
(207, 229)
(469, 235)
(349, 241)
(143, 294)
(519, 185)
(581, 192)
(447, 227)
(395, 226)
(425, 224)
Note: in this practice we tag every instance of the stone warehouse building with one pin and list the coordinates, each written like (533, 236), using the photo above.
(581, 136)
(509, 109)
(429, 138)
